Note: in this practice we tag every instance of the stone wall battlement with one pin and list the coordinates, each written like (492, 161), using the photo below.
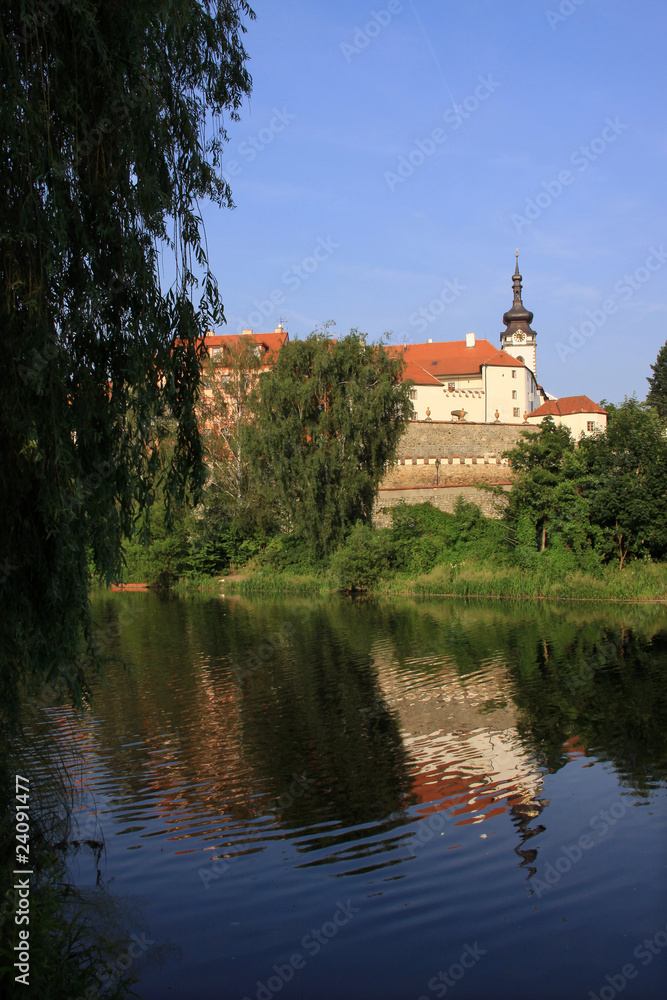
(454, 460)
(471, 457)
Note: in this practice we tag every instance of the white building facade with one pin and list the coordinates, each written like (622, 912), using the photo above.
(471, 380)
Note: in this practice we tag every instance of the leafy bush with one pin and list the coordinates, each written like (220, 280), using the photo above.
(288, 552)
(423, 536)
(359, 562)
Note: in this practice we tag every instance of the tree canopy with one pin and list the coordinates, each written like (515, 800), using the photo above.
(657, 395)
(113, 127)
(328, 418)
(604, 499)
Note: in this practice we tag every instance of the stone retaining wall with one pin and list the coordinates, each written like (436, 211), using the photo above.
(470, 457)
(461, 471)
(443, 438)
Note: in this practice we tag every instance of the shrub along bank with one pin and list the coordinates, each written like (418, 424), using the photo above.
(428, 551)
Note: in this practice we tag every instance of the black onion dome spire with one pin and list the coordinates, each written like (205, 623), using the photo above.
(518, 315)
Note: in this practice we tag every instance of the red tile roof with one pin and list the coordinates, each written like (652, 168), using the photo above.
(566, 406)
(419, 375)
(454, 358)
(272, 341)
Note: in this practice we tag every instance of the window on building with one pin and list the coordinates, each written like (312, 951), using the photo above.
(590, 425)
(514, 395)
(224, 378)
(521, 358)
(517, 411)
(451, 386)
(413, 393)
(514, 373)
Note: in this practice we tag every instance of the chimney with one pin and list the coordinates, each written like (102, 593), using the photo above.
(430, 340)
(243, 332)
(470, 339)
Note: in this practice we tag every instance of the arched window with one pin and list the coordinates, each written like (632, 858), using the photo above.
(519, 358)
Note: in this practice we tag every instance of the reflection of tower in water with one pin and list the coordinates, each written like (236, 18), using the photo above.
(466, 756)
(523, 814)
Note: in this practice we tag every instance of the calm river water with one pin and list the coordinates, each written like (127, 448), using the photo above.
(344, 799)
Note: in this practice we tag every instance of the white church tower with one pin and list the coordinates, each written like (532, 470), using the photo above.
(518, 339)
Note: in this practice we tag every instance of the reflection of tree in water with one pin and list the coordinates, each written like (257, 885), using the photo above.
(315, 708)
(247, 721)
(608, 691)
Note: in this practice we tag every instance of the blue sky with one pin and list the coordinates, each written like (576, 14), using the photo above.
(393, 156)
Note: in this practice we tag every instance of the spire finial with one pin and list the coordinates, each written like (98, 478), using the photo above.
(516, 269)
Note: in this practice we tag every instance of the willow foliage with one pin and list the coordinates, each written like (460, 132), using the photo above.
(112, 124)
(328, 419)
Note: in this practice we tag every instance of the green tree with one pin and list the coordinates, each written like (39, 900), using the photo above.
(538, 461)
(112, 135)
(623, 475)
(657, 395)
(329, 416)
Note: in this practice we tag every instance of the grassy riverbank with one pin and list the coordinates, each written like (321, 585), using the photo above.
(637, 582)
(427, 553)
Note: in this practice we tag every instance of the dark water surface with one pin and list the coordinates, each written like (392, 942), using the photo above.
(343, 799)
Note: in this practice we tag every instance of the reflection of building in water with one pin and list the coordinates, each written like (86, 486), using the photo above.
(462, 736)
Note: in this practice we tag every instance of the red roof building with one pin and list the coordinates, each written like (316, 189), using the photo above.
(468, 380)
(579, 413)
